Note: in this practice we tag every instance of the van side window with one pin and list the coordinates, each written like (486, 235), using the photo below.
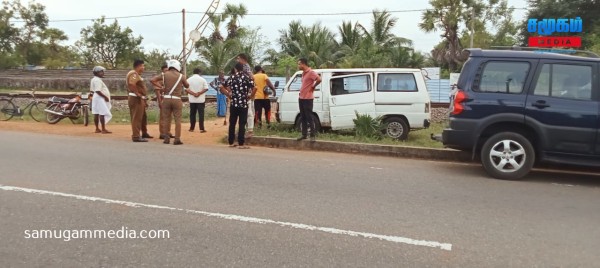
(350, 85)
(565, 81)
(503, 77)
(297, 83)
(396, 82)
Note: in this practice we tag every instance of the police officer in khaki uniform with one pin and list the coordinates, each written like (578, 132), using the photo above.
(172, 106)
(137, 102)
(159, 99)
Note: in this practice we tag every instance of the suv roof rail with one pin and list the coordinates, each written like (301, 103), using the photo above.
(549, 50)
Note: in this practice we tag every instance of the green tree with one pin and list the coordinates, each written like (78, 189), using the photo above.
(154, 59)
(8, 32)
(108, 44)
(254, 44)
(29, 40)
(448, 16)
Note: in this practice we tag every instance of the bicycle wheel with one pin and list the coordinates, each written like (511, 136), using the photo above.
(7, 109)
(37, 111)
(86, 115)
(53, 118)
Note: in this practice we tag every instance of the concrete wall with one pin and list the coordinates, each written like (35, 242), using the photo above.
(63, 79)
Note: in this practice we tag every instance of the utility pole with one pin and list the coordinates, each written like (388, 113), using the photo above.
(472, 25)
(185, 54)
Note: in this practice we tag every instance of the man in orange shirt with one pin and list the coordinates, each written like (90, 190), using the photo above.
(310, 80)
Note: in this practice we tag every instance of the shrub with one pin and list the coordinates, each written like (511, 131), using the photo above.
(367, 127)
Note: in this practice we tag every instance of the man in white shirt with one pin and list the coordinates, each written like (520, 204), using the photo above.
(100, 101)
(197, 98)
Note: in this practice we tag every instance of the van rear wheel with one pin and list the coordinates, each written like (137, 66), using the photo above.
(395, 128)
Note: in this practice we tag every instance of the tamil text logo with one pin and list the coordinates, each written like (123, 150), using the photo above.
(547, 27)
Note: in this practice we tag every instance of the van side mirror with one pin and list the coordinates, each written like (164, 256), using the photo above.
(276, 84)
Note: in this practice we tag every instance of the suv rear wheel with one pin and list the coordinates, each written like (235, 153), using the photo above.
(507, 156)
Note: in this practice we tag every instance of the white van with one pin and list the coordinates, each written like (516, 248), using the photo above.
(399, 96)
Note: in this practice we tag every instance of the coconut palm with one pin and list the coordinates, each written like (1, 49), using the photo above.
(218, 54)
(316, 43)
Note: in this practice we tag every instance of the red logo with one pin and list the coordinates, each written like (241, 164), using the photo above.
(555, 41)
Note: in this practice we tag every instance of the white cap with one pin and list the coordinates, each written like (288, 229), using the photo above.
(174, 64)
(98, 69)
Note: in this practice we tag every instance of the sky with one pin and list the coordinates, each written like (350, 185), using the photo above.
(165, 32)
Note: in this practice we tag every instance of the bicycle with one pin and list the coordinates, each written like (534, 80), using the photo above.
(8, 108)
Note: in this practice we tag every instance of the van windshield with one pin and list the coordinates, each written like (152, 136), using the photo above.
(296, 83)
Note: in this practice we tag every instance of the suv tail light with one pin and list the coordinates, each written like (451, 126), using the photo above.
(459, 97)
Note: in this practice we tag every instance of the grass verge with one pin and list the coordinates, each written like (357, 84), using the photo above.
(416, 138)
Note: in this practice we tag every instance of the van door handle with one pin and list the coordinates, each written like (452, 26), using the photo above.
(333, 100)
(317, 97)
(540, 104)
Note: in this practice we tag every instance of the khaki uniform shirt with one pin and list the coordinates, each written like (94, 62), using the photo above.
(170, 78)
(133, 78)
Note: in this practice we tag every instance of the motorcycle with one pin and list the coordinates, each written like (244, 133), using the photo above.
(59, 108)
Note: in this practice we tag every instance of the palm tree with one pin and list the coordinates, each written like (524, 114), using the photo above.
(218, 54)
(216, 20)
(316, 43)
(380, 32)
(288, 39)
(234, 13)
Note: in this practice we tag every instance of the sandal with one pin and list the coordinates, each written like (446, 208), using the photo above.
(98, 131)
(243, 147)
(106, 132)
(232, 145)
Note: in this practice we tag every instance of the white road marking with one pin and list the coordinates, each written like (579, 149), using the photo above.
(567, 185)
(395, 239)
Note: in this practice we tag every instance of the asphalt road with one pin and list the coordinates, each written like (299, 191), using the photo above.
(277, 208)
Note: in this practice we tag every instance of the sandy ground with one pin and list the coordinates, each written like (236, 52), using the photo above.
(215, 130)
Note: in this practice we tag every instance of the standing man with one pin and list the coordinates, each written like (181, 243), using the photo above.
(101, 100)
(310, 80)
(159, 100)
(137, 102)
(243, 59)
(261, 98)
(237, 87)
(197, 97)
(172, 105)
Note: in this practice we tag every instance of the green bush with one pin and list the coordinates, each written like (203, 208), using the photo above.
(367, 127)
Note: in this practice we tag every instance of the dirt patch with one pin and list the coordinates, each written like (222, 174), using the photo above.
(215, 130)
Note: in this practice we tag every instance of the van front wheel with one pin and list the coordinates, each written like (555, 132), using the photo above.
(395, 128)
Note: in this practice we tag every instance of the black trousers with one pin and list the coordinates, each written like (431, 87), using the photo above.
(236, 113)
(306, 118)
(259, 105)
(199, 108)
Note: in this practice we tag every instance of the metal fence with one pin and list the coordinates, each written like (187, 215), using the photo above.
(439, 90)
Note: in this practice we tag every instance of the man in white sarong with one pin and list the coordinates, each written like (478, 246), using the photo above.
(100, 101)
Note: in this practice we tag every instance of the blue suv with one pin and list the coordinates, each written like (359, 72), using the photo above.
(517, 108)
